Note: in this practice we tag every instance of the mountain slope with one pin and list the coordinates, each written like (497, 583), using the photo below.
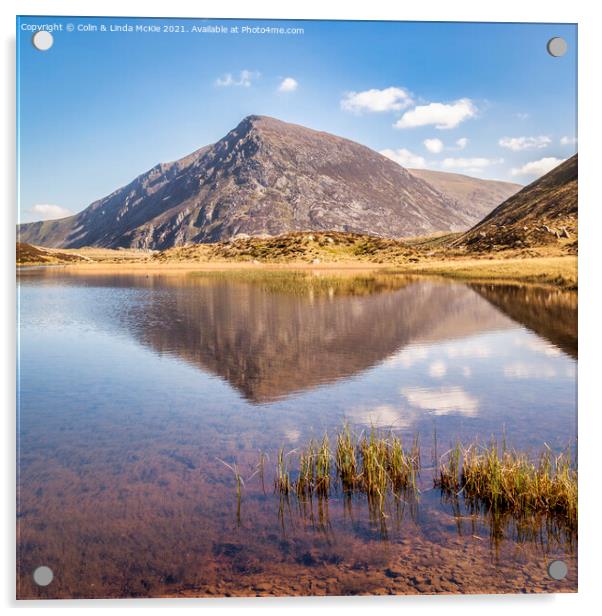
(264, 177)
(542, 213)
(32, 255)
(108, 221)
(474, 197)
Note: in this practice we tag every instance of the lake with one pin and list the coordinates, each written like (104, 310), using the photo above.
(135, 390)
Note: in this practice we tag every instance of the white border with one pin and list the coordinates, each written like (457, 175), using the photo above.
(586, 13)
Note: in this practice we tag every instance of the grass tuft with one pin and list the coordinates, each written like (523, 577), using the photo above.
(346, 459)
(507, 481)
(282, 482)
(503, 482)
(374, 464)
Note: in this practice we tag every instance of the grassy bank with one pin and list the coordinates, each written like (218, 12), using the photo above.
(550, 265)
(559, 271)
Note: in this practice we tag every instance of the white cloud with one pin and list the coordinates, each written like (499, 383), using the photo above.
(442, 401)
(384, 415)
(408, 356)
(537, 345)
(245, 79)
(568, 140)
(462, 143)
(475, 349)
(50, 212)
(388, 99)
(288, 84)
(537, 168)
(405, 158)
(470, 164)
(437, 369)
(433, 145)
(441, 115)
(522, 116)
(520, 370)
(292, 435)
(516, 144)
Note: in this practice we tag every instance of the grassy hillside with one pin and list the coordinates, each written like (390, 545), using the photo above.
(541, 214)
(33, 255)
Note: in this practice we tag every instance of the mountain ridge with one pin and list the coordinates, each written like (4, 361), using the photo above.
(543, 212)
(264, 177)
(475, 197)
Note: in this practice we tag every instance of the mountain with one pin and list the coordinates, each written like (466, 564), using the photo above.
(474, 197)
(544, 212)
(264, 177)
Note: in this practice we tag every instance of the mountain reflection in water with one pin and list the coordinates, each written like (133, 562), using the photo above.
(269, 345)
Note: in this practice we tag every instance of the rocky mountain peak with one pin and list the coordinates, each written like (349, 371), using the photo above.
(265, 176)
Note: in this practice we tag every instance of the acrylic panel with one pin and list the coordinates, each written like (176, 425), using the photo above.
(297, 308)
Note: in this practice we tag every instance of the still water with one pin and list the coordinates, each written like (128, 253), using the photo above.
(132, 386)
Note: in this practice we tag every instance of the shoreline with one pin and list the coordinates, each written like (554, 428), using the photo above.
(553, 271)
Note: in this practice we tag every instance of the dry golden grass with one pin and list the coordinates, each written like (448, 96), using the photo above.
(508, 481)
(559, 271)
(282, 482)
(88, 256)
(375, 464)
(337, 252)
(108, 255)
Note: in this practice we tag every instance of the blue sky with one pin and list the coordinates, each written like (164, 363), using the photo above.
(100, 107)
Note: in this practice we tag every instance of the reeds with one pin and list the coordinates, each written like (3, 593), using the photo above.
(314, 469)
(386, 467)
(503, 481)
(261, 468)
(373, 455)
(375, 464)
(239, 485)
(322, 470)
(491, 479)
(346, 460)
(282, 481)
(403, 465)
(448, 478)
